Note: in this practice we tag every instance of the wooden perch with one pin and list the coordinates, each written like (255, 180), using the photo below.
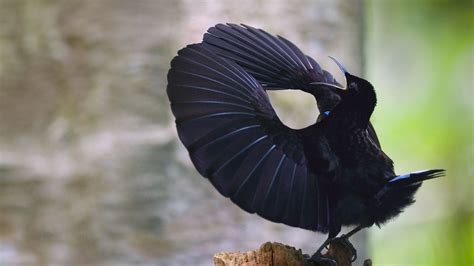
(276, 254)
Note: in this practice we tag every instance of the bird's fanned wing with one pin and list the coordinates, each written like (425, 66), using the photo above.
(274, 61)
(234, 138)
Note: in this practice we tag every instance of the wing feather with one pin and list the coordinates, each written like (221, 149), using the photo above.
(235, 139)
(273, 60)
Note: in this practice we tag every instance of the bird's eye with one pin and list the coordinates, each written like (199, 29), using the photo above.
(326, 113)
(352, 85)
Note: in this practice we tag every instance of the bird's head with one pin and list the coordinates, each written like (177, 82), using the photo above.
(360, 93)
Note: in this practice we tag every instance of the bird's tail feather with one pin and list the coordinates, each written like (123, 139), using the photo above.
(399, 192)
(416, 177)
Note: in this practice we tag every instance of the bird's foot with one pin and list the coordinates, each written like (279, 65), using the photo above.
(344, 241)
(318, 259)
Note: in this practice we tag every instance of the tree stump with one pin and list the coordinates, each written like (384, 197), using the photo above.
(279, 254)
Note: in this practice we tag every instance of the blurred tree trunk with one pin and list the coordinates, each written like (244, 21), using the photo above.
(91, 168)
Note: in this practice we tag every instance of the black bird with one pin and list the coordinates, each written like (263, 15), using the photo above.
(321, 177)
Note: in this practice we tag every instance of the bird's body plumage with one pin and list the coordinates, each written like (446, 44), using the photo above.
(329, 174)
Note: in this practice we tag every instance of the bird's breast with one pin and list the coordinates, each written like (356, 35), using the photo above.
(353, 147)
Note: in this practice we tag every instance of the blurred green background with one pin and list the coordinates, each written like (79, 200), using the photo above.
(420, 55)
(91, 171)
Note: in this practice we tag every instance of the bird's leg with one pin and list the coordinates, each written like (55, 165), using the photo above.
(353, 231)
(320, 249)
(344, 240)
(317, 256)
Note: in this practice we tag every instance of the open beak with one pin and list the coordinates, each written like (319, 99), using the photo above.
(341, 66)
